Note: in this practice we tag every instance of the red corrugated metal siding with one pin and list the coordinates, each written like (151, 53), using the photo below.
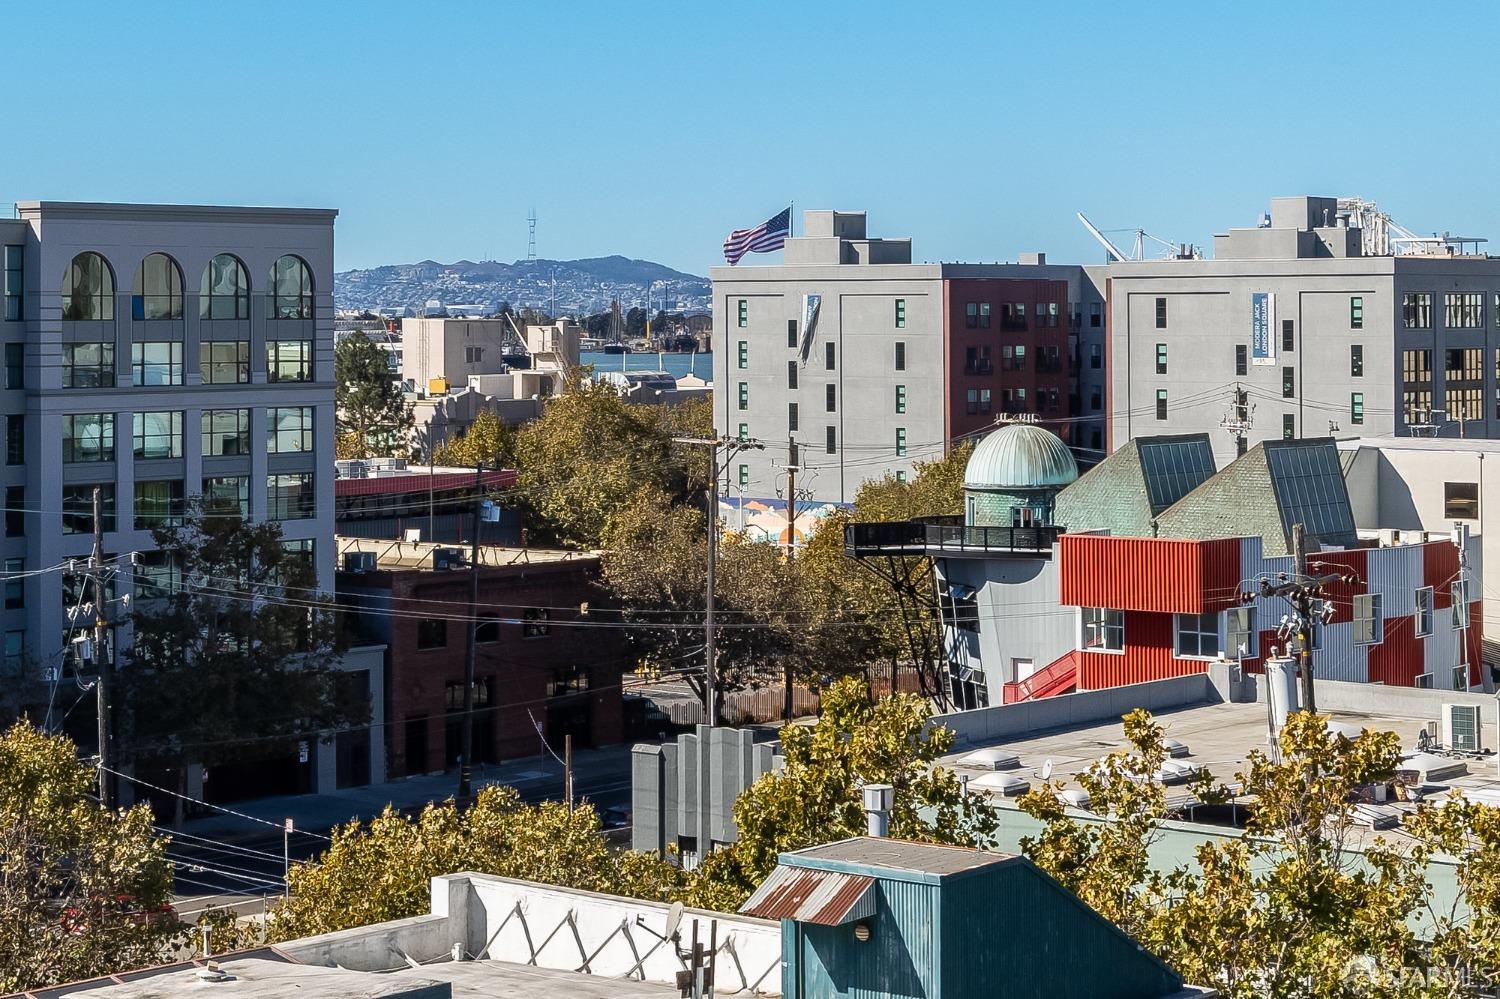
(1159, 575)
(1439, 570)
(1148, 656)
(1342, 594)
(418, 482)
(1399, 658)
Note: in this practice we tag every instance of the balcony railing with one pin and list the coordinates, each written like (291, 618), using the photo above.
(939, 535)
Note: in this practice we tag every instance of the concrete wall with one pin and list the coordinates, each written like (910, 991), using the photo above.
(1020, 619)
(435, 348)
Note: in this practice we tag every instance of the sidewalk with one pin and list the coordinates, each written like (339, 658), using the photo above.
(537, 778)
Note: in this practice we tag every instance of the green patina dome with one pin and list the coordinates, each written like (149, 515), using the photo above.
(1020, 456)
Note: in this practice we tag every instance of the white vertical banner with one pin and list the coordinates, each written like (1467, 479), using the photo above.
(1262, 327)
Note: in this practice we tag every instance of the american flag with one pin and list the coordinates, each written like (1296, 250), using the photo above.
(768, 236)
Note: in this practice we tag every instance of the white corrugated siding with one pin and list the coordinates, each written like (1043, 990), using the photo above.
(1396, 574)
(1340, 658)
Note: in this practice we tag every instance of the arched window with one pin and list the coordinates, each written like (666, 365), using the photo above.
(225, 291)
(88, 289)
(158, 289)
(291, 289)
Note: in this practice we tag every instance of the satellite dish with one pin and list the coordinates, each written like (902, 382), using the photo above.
(1047, 769)
(674, 920)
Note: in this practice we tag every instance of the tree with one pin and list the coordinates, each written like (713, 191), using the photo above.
(487, 440)
(374, 419)
(816, 797)
(381, 871)
(83, 889)
(1286, 910)
(237, 651)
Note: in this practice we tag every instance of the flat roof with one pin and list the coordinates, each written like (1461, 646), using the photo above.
(503, 980)
(418, 554)
(187, 213)
(898, 855)
(1459, 445)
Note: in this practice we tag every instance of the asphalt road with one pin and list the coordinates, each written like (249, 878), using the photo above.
(240, 863)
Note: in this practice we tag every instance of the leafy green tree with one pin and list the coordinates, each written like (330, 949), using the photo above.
(83, 889)
(487, 440)
(381, 871)
(374, 418)
(235, 652)
(817, 797)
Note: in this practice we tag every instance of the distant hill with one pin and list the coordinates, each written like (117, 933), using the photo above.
(583, 286)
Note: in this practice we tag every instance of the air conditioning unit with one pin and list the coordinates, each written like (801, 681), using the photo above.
(351, 469)
(1461, 727)
(359, 561)
(448, 558)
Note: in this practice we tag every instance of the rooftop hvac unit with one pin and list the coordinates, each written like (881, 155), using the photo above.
(351, 469)
(1461, 727)
(388, 464)
(359, 561)
(447, 558)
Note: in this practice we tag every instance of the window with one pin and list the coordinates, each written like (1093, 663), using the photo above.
(15, 365)
(900, 475)
(15, 511)
(744, 395)
(1460, 501)
(900, 355)
(1288, 383)
(744, 431)
(744, 476)
(158, 435)
(1368, 626)
(1161, 358)
(472, 354)
(830, 396)
(78, 508)
(291, 289)
(1463, 310)
(1460, 594)
(88, 365)
(1422, 617)
(977, 361)
(1288, 426)
(973, 401)
(453, 691)
(791, 332)
(1012, 316)
(900, 313)
(88, 289)
(289, 497)
(289, 429)
(292, 360)
(1356, 408)
(158, 504)
(486, 629)
(971, 315)
(158, 363)
(535, 622)
(14, 285)
(1356, 313)
(1416, 310)
(1161, 313)
(1096, 399)
(1103, 630)
(224, 292)
(88, 437)
(984, 315)
(1161, 404)
(1423, 681)
(299, 563)
(227, 494)
(828, 356)
(1241, 360)
(224, 362)
(1240, 637)
(791, 374)
(1096, 314)
(158, 289)
(900, 398)
(567, 680)
(226, 432)
(15, 649)
(433, 634)
(15, 439)
(15, 588)
(744, 313)
(744, 354)
(791, 416)
(1416, 385)
(833, 447)
(156, 576)
(1197, 635)
(1046, 314)
(1356, 360)
(900, 442)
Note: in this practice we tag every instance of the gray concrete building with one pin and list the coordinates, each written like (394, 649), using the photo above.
(1317, 334)
(872, 362)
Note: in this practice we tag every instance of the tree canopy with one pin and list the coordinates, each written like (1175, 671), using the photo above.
(374, 419)
(488, 441)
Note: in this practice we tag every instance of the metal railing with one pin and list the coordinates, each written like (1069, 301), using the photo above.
(917, 537)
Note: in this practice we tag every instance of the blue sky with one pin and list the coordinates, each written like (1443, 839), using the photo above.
(977, 129)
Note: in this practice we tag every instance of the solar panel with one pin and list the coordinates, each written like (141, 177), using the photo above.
(1309, 484)
(1174, 468)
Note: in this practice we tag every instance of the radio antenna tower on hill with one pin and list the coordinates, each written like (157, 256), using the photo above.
(531, 236)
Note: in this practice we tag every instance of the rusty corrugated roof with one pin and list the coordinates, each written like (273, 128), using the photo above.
(827, 898)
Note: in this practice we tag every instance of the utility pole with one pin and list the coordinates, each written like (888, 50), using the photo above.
(788, 695)
(733, 445)
(467, 727)
(101, 660)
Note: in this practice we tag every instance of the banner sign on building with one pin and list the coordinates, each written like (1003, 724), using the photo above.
(1262, 327)
(810, 306)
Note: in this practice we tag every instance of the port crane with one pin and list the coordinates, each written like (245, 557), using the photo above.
(1174, 251)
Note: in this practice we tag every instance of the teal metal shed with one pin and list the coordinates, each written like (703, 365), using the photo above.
(870, 918)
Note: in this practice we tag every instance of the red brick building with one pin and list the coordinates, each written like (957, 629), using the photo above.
(543, 670)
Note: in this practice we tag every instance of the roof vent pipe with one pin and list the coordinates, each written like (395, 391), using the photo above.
(878, 799)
